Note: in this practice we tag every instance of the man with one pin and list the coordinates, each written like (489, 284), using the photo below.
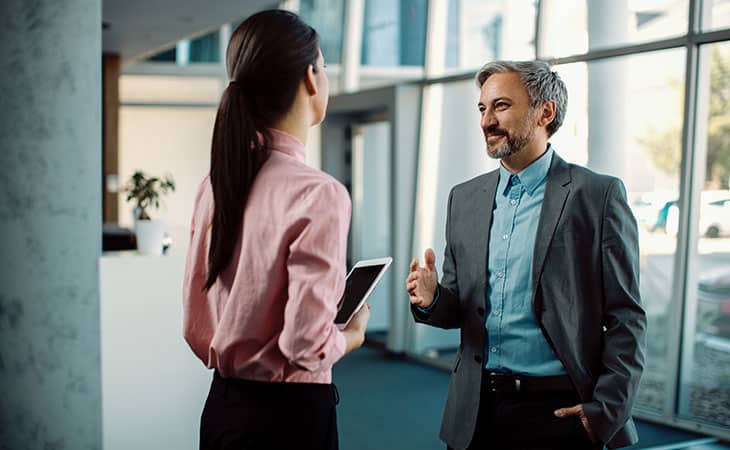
(540, 273)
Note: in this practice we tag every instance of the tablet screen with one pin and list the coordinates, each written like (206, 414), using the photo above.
(357, 286)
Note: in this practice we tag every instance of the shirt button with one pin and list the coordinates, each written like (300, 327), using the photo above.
(500, 274)
(494, 349)
(513, 202)
(505, 236)
(497, 312)
(478, 358)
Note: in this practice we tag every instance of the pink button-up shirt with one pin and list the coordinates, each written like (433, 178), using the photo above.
(270, 315)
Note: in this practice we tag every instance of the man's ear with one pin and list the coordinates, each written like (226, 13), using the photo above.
(310, 83)
(547, 114)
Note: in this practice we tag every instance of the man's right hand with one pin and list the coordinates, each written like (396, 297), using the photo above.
(422, 281)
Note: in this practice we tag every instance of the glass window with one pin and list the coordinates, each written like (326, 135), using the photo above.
(624, 118)
(705, 379)
(394, 33)
(206, 49)
(481, 31)
(164, 56)
(327, 17)
(371, 196)
(452, 151)
(571, 27)
(715, 14)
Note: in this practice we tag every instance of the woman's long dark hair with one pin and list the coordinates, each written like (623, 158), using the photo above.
(267, 58)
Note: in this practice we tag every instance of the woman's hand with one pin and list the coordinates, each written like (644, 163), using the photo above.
(355, 330)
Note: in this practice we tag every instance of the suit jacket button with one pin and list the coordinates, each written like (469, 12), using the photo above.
(480, 310)
(478, 358)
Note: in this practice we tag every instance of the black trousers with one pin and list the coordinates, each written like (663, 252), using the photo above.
(244, 414)
(526, 421)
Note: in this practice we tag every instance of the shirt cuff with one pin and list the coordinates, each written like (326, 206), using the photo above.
(429, 308)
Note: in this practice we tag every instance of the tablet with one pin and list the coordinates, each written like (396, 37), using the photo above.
(359, 284)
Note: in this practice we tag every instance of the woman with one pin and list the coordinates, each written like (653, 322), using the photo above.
(266, 264)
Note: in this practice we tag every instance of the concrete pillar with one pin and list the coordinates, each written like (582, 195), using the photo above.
(50, 224)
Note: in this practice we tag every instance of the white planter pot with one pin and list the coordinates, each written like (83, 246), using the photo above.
(149, 236)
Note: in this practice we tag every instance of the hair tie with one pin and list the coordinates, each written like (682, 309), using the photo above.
(232, 83)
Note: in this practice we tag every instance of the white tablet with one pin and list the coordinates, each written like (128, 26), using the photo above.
(360, 283)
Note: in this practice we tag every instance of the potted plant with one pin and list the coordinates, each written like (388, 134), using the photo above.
(146, 192)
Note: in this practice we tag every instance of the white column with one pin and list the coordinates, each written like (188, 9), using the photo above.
(437, 27)
(290, 5)
(430, 139)
(608, 139)
(430, 145)
(352, 45)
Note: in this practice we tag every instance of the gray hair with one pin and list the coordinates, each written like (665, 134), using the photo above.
(541, 82)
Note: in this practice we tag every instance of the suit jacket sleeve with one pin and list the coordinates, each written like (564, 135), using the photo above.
(446, 312)
(624, 319)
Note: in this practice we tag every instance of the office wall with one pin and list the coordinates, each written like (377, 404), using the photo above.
(165, 127)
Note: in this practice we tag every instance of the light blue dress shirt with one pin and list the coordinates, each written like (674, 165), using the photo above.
(515, 342)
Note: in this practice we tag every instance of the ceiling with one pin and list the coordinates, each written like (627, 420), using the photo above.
(135, 29)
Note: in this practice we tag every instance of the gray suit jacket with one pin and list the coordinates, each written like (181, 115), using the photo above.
(585, 282)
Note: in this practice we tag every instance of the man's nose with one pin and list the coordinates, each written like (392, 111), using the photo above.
(488, 120)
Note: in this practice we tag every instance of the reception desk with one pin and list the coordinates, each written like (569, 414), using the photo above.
(153, 387)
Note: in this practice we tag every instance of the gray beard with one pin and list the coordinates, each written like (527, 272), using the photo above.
(512, 146)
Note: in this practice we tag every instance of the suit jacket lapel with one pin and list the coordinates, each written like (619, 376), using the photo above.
(483, 215)
(556, 193)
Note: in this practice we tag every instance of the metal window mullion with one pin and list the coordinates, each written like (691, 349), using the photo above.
(711, 37)
(625, 50)
(686, 235)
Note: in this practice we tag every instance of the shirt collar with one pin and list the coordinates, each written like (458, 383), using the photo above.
(284, 142)
(531, 176)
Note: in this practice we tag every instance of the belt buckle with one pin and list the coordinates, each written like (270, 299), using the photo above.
(505, 380)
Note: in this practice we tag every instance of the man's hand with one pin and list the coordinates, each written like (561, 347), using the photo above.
(577, 410)
(422, 281)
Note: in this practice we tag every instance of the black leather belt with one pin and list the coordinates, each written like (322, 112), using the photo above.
(509, 383)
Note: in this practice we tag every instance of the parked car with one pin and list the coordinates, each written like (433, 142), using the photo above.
(714, 215)
(715, 218)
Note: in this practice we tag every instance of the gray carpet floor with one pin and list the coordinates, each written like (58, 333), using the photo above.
(396, 404)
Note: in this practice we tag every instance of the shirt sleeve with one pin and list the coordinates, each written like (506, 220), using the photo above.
(198, 325)
(310, 339)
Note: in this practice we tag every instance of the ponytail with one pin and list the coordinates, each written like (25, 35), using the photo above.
(267, 58)
(237, 154)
